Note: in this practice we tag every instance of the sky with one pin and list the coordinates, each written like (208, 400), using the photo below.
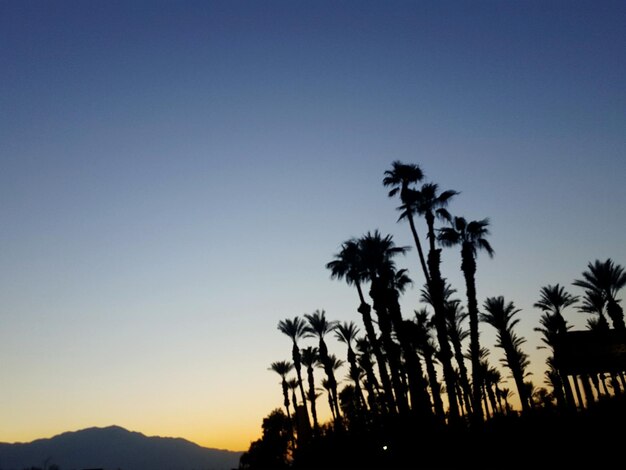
(174, 176)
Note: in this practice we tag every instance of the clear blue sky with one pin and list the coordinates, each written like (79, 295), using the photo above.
(175, 175)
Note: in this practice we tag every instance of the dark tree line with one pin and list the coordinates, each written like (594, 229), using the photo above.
(393, 399)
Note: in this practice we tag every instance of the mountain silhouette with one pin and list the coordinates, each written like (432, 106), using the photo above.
(112, 448)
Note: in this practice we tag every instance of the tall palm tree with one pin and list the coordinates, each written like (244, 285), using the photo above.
(387, 283)
(348, 264)
(554, 299)
(457, 334)
(421, 332)
(371, 382)
(331, 384)
(606, 278)
(399, 178)
(471, 236)
(292, 384)
(377, 253)
(429, 203)
(346, 333)
(310, 360)
(296, 329)
(506, 394)
(551, 330)
(455, 318)
(329, 393)
(492, 377)
(318, 327)
(499, 314)
(283, 368)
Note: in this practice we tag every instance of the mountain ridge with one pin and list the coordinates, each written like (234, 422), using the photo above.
(114, 447)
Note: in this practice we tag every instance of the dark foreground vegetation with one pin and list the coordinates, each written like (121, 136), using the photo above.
(590, 438)
(420, 391)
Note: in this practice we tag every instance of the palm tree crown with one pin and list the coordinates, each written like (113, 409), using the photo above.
(469, 234)
(554, 299)
(400, 176)
(607, 279)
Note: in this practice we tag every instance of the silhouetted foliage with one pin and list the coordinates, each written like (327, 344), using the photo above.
(272, 451)
(391, 413)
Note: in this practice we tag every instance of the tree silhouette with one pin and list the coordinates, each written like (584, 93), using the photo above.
(348, 264)
(593, 302)
(346, 333)
(296, 329)
(471, 236)
(283, 368)
(551, 329)
(310, 360)
(318, 327)
(499, 314)
(554, 299)
(606, 279)
(399, 178)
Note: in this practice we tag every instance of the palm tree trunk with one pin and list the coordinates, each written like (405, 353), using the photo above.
(370, 386)
(418, 245)
(465, 385)
(295, 353)
(484, 396)
(586, 381)
(330, 374)
(516, 370)
(435, 388)
(418, 386)
(286, 397)
(377, 292)
(365, 311)
(492, 400)
(312, 395)
(581, 403)
(355, 379)
(468, 266)
(436, 288)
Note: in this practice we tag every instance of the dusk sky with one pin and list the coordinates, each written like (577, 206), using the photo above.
(175, 175)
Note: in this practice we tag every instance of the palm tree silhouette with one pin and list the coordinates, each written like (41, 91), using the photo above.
(593, 302)
(296, 329)
(427, 202)
(551, 330)
(348, 264)
(283, 368)
(471, 236)
(346, 333)
(554, 299)
(421, 334)
(506, 394)
(607, 279)
(310, 360)
(292, 384)
(455, 317)
(400, 177)
(334, 364)
(499, 314)
(318, 327)
(377, 253)
(371, 382)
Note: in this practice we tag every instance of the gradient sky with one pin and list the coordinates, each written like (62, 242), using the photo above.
(175, 175)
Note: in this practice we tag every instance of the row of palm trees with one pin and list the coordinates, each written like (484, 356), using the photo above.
(393, 366)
